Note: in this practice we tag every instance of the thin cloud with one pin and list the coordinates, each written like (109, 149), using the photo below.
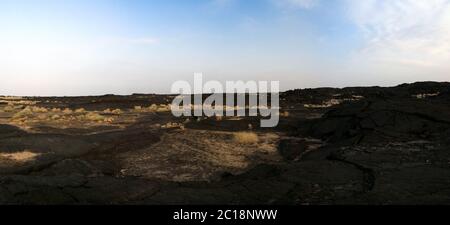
(414, 32)
(285, 4)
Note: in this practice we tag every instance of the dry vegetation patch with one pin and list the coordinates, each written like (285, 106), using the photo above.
(24, 156)
(246, 138)
(33, 115)
(197, 156)
(152, 108)
(80, 111)
(93, 116)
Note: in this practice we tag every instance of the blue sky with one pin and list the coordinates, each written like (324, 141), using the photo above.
(82, 47)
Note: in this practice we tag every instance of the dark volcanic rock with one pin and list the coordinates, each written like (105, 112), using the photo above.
(294, 148)
(383, 120)
(10, 131)
(290, 149)
(72, 167)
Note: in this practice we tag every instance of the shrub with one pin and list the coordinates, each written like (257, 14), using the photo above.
(117, 111)
(56, 117)
(39, 109)
(42, 117)
(81, 110)
(153, 108)
(8, 108)
(108, 120)
(23, 114)
(284, 114)
(67, 111)
(94, 117)
(173, 125)
(80, 117)
(163, 108)
(246, 138)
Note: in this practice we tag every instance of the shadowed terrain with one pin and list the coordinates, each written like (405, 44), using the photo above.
(365, 145)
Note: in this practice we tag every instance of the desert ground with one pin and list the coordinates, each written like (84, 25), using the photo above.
(366, 145)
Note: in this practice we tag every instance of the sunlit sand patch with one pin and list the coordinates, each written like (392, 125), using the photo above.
(20, 157)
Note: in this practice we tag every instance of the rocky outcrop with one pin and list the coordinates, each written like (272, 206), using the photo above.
(384, 121)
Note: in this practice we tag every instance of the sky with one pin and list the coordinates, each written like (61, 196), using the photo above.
(95, 47)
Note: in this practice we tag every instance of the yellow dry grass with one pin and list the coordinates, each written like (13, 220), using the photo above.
(24, 156)
(23, 113)
(39, 109)
(246, 138)
(284, 114)
(80, 110)
(117, 111)
(67, 111)
(8, 108)
(94, 116)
